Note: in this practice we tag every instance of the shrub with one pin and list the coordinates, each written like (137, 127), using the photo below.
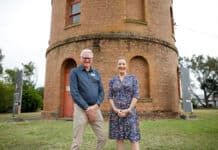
(6, 97)
(31, 100)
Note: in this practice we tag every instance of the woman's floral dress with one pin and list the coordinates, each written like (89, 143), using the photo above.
(122, 94)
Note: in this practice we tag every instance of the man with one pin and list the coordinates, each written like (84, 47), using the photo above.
(87, 92)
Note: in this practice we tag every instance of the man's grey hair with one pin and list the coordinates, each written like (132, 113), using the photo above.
(86, 51)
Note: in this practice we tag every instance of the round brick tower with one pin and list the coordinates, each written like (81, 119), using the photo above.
(140, 30)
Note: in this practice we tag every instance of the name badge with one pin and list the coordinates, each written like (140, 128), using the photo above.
(92, 74)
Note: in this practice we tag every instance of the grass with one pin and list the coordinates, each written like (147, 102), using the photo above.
(176, 134)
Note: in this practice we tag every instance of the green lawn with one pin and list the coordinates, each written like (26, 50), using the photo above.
(176, 134)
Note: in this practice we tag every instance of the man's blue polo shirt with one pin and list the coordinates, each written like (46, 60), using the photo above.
(86, 87)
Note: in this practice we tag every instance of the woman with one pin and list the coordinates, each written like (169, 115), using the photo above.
(123, 94)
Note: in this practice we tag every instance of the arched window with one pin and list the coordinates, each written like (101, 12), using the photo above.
(139, 66)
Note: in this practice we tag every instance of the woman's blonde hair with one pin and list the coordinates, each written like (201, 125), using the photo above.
(121, 57)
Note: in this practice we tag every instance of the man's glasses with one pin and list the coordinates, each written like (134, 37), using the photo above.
(86, 58)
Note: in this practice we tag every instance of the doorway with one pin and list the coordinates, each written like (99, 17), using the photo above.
(68, 104)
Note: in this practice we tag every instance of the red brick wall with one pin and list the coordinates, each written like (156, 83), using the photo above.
(104, 28)
(99, 16)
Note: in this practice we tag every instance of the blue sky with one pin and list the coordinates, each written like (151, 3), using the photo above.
(25, 29)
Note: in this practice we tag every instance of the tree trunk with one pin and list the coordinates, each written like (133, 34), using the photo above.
(206, 98)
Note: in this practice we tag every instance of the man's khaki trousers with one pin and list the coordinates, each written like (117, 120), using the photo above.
(79, 124)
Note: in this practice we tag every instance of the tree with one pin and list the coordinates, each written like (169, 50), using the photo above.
(10, 75)
(205, 71)
(6, 97)
(31, 100)
(31, 97)
(6, 91)
(40, 91)
(28, 75)
(1, 58)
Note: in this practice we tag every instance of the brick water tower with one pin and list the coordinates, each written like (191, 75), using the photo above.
(140, 30)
